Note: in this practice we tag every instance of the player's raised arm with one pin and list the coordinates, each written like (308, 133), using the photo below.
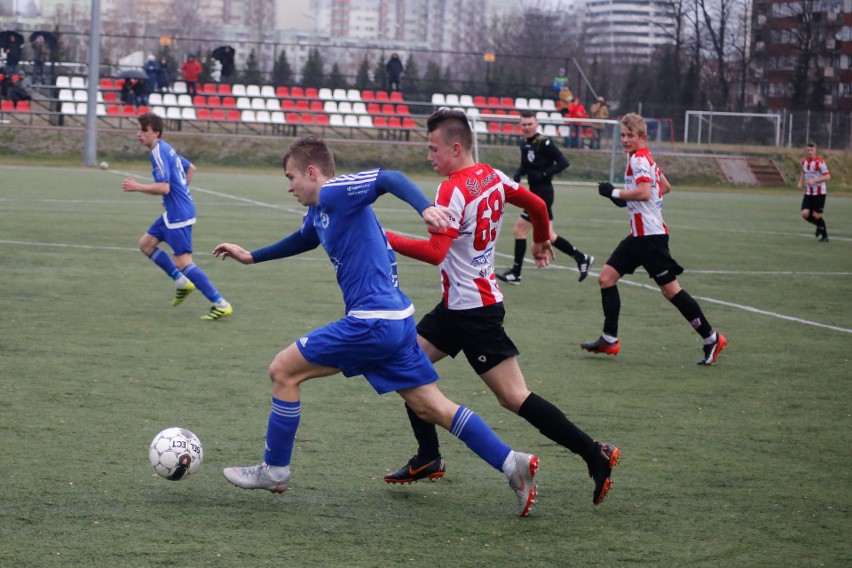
(396, 183)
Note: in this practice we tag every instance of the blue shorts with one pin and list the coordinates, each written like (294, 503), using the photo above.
(179, 239)
(384, 351)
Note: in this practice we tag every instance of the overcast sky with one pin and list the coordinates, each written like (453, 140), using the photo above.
(290, 14)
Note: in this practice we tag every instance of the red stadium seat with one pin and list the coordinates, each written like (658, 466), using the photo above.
(382, 96)
(387, 108)
(380, 122)
(494, 101)
(302, 104)
(317, 106)
(217, 114)
(509, 128)
(394, 122)
(282, 92)
(494, 127)
(287, 104)
(233, 114)
(402, 110)
(408, 123)
(297, 93)
(110, 97)
(142, 110)
(7, 106)
(203, 114)
(214, 101)
(209, 88)
(307, 118)
(229, 102)
(479, 101)
(199, 100)
(322, 119)
(507, 102)
(23, 106)
(396, 97)
(374, 108)
(129, 110)
(311, 93)
(119, 83)
(107, 84)
(486, 111)
(293, 118)
(113, 110)
(224, 89)
(367, 96)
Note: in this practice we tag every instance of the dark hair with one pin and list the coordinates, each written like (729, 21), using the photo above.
(527, 114)
(454, 127)
(811, 144)
(155, 121)
(310, 150)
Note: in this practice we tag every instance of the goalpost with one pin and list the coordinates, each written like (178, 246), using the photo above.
(712, 127)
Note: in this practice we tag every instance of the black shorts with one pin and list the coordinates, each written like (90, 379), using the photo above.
(814, 202)
(651, 253)
(478, 332)
(546, 194)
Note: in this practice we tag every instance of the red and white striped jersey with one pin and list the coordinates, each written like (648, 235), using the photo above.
(646, 217)
(475, 197)
(812, 169)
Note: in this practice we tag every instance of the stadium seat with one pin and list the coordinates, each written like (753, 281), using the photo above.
(480, 127)
(292, 118)
(408, 122)
(359, 108)
(208, 88)
(339, 94)
(287, 104)
(550, 130)
(307, 118)
(380, 122)
(229, 102)
(322, 119)
(263, 116)
(297, 93)
(402, 110)
(199, 100)
(238, 90)
(507, 102)
(155, 99)
(107, 83)
(396, 97)
(564, 130)
(277, 117)
(330, 107)
(78, 83)
(178, 87)
(114, 110)
(214, 101)
(311, 93)
(466, 101)
(248, 116)
(218, 114)
(350, 120)
(243, 103)
(303, 105)
(170, 99)
(223, 89)
(111, 96)
(509, 128)
(316, 106)
(555, 115)
(344, 107)
(479, 101)
(336, 120)
(7, 106)
(258, 104)
(365, 121)
(451, 99)
(387, 108)
(252, 90)
(187, 113)
(486, 111)
(548, 104)
(522, 103)
(494, 127)
(325, 94)
(68, 108)
(173, 113)
(535, 104)
(493, 102)
(382, 96)
(66, 95)
(272, 104)
(374, 108)
(472, 112)
(267, 91)
(282, 92)
(353, 95)
(127, 110)
(81, 95)
(203, 114)
(233, 114)
(63, 81)
(394, 122)
(368, 95)
(541, 115)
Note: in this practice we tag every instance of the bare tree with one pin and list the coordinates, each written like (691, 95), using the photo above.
(716, 18)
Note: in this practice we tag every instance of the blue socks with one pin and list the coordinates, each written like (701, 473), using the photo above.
(281, 432)
(202, 282)
(164, 261)
(468, 427)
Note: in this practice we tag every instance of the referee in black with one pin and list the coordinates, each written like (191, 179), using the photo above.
(540, 161)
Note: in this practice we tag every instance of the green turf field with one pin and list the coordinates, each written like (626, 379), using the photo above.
(743, 464)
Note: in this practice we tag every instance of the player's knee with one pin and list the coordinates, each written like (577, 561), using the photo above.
(278, 373)
(806, 214)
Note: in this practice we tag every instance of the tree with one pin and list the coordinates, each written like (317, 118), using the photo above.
(336, 80)
(252, 74)
(313, 74)
(432, 79)
(362, 78)
(411, 81)
(798, 18)
(282, 73)
(716, 20)
(380, 75)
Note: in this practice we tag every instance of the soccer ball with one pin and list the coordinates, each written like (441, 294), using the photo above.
(176, 453)
(104, 165)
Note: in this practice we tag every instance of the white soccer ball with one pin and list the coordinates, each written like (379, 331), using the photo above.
(176, 453)
(104, 165)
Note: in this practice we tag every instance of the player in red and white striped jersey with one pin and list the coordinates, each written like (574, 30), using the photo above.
(469, 317)
(814, 175)
(646, 246)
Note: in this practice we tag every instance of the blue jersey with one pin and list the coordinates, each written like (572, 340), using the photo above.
(170, 167)
(347, 228)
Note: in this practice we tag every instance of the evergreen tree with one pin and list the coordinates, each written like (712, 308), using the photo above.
(411, 81)
(362, 78)
(313, 74)
(207, 69)
(336, 80)
(380, 75)
(432, 79)
(252, 74)
(282, 73)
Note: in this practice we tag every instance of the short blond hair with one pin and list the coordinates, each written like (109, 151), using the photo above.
(634, 122)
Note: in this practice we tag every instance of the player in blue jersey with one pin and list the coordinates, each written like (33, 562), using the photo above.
(377, 337)
(172, 176)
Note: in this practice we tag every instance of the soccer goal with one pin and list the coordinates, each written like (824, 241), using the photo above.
(712, 127)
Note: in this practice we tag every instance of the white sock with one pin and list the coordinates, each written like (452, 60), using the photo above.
(510, 468)
(609, 338)
(222, 305)
(710, 340)
(278, 472)
(182, 282)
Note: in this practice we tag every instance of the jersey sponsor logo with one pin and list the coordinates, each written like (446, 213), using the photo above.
(324, 220)
(359, 189)
(661, 274)
(482, 358)
(483, 259)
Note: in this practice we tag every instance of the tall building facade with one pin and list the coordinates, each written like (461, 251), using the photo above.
(626, 30)
(802, 54)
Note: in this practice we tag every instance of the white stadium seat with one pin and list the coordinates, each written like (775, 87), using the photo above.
(78, 83)
(66, 95)
(330, 107)
(169, 99)
(81, 95)
(159, 111)
(101, 109)
(68, 108)
(258, 104)
(325, 94)
(344, 107)
(359, 108)
(247, 116)
(277, 117)
(179, 87)
(353, 95)
(63, 81)
(173, 113)
(273, 104)
(243, 103)
(252, 91)
(541, 115)
(365, 121)
(550, 130)
(184, 100)
(188, 113)
(350, 120)
(466, 101)
(438, 99)
(522, 103)
(548, 104)
(335, 120)
(82, 109)
(535, 104)
(263, 116)
(339, 94)
(155, 99)
(238, 90)
(267, 91)
(451, 99)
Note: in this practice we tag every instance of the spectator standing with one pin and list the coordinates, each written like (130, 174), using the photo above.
(140, 92)
(164, 80)
(576, 110)
(560, 81)
(599, 112)
(13, 55)
(191, 69)
(394, 70)
(152, 70)
(40, 55)
(228, 65)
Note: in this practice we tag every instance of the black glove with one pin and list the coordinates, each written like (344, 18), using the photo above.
(605, 189)
(517, 178)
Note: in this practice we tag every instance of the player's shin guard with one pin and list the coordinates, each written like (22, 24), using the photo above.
(202, 282)
(553, 423)
(166, 264)
(281, 432)
(611, 301)
(468, 427)
(690, 310)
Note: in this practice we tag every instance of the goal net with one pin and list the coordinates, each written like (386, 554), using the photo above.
(711, 127)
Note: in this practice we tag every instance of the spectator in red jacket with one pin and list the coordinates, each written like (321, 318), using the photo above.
(191, 69)
(576, 110)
